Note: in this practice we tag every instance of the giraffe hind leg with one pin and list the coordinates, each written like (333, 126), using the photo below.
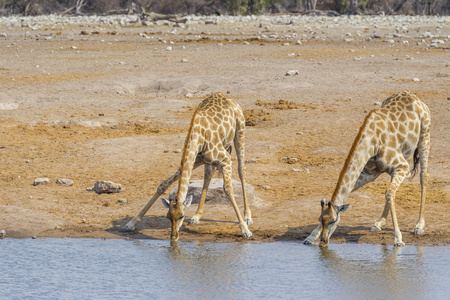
(424, 151)
(209, 172)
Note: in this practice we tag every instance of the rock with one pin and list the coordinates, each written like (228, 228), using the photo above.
(216, 194)
(296, 170)
(377, 103)
(122, 201)
(251, 160)
(389, 41)
(169, 48)
(306, 171)
(299, 133)
(41, 181)
(416, 79)
(2, 234)
(266, 187)
(291, 73)
(2, 34)
(64, 181)
(106, 187)
(298, 42)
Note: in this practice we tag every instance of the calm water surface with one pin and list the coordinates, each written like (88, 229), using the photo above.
(149, 269)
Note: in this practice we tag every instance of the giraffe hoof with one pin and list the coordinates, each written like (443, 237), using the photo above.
(307, 242)
(128, 227)
(249, 221)
(399, 244)
(247, 234)
(418, 231)
(194, 220)
(375, 229)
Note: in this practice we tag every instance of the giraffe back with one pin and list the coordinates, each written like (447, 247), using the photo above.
(397, 126)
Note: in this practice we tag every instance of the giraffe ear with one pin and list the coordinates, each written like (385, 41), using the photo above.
(165, 202)
(343, 208)
(187, 202)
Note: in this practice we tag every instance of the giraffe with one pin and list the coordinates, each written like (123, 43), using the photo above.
(387, 138)
(217, 122)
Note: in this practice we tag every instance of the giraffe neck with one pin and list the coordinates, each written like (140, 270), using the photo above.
(188, 159)
(360, 153)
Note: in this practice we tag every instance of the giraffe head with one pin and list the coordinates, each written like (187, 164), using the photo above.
(176, 214)
(330, 219)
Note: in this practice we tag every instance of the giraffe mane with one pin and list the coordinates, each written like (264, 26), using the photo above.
(350, 156)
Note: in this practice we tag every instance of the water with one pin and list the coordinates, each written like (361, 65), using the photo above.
(149, 269)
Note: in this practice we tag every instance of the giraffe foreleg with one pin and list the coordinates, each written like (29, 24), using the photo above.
(131, 225)
(314, 235)
(382, 221)
(209, 172)
(400, 173)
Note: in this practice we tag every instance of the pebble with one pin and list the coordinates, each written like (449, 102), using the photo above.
(416, 79)
(266, 187)
(292, 73)
(2, 34)
(299, 133)
(106, 187)
(41, 181)
(122, 201)
(2, 234)
(377, 103)
(169, 48)
(252, 160)
(306, 171)
(64, 181)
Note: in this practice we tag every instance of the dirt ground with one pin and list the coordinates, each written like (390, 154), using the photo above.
(90, 103)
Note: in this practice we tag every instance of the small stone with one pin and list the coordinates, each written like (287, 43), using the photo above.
(122, 201)
(389, 41)
(83, 221)
(2, 234)
(2, 34)
(73, 47)
(184, 60)
(296, 170)
(246, 43)
(64, 181)
(292, 73)
(251, 160)
(41, 181)
(177, 151)
(189, 95)
(416, 79)
(306, 171)
(377, 103)
(169, 48)
(298, 42)
(106, 187)
(34, 237)
(299, 133)
(266, 187)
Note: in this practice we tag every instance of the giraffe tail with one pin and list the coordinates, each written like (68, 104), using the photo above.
(416, 159)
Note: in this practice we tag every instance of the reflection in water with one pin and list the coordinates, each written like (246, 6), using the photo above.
(376, 272)
(149, 269)
(215, 268)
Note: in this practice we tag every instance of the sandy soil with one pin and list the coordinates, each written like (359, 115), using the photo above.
(91, 103)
